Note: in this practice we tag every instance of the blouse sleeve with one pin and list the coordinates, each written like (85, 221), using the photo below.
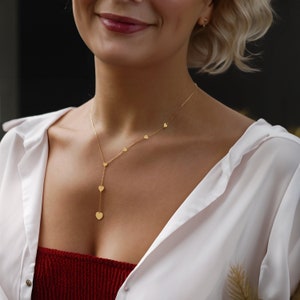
(280, 270)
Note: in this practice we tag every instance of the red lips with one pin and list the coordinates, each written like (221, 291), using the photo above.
(122, 24)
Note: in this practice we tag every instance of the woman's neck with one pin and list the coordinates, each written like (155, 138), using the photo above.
(137, 100)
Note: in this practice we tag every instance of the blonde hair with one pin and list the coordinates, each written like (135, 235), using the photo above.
(223, 42)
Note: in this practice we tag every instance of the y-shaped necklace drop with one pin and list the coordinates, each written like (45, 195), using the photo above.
(106, 163)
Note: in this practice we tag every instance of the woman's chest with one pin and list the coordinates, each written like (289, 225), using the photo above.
(137, 195)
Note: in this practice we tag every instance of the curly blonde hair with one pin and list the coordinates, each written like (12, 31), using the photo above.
(223, 42)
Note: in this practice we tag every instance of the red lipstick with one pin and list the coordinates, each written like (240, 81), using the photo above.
(122, 24)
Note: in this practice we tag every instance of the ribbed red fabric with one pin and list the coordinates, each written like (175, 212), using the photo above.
(72, 276)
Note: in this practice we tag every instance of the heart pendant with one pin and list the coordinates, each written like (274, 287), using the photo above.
(101, 188)
(99, 215)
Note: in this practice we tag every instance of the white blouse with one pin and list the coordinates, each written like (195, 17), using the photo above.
(240, 225)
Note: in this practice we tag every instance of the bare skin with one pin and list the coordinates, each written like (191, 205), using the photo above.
(143, 188)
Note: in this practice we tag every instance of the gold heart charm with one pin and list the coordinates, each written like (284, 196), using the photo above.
(101, 188)
(165, 125)
(146, 137)
(124, 149)
(99, 215)
(105, 164)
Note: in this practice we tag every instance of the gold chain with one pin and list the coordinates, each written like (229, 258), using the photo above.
(106, 163)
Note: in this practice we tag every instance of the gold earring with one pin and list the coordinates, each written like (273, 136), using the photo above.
(203, 22)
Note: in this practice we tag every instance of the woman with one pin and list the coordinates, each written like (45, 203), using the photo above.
(152, 189)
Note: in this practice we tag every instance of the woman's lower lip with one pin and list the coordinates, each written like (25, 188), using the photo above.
(120, 27)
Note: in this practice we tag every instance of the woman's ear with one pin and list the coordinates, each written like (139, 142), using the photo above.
(206, 13)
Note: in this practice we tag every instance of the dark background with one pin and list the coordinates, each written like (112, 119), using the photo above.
(56, 69)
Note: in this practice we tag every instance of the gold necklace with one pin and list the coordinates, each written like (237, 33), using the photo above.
(106, 163)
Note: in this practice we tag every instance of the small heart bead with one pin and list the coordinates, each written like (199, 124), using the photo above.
(165, 125)
(146, 137)
(101, 188)
(99, 215)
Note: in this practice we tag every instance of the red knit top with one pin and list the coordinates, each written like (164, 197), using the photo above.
(72, 276)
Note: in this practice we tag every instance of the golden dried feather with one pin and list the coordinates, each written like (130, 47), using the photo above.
(238, 286)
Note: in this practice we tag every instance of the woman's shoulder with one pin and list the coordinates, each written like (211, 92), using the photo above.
(34, 120)
(276, 139)
(31, 127)
(268, 148)
(258, 133)
(261, 148)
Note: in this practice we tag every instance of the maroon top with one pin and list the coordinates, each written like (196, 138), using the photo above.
(72, 276)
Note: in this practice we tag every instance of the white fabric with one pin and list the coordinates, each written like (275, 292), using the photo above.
(245, 212)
